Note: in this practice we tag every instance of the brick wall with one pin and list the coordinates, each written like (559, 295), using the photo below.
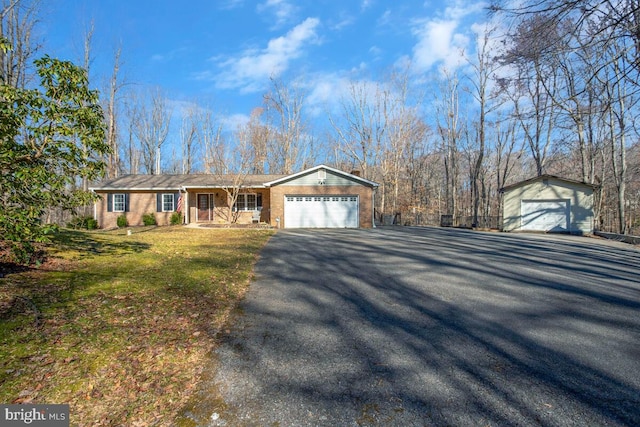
(279, 192)
(140, 203)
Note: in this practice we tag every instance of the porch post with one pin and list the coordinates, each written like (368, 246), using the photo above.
(185, 207)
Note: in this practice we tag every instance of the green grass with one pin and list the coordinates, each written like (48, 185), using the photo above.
(119, 326)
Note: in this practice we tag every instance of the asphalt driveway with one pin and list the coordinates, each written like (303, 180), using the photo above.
(424, 326)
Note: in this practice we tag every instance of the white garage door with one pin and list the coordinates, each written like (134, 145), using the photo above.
(545, 215)
(321, 211)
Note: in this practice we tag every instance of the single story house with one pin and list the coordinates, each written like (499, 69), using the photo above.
(319, 197)
(548, 204)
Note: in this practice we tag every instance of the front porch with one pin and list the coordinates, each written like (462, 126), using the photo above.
(215, 207)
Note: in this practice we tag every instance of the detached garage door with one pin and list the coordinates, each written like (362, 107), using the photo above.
(545, 215)
(321, 212)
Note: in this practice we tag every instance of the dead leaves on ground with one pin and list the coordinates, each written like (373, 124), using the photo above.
(118, 353)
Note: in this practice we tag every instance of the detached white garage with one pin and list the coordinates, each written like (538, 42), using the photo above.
(546, 215)
(548, 204)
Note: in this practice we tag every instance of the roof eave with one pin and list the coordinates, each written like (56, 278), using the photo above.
(329, 168)
(546, 176)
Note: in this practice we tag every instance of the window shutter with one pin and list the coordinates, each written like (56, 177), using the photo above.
(259, 201)
(158, 202)
(109, 202)
(175, 201)
(127, 196)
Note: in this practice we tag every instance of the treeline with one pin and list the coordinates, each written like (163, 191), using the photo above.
(554, 93)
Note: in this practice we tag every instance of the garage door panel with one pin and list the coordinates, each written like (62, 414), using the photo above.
(321, 211)
(545, 215)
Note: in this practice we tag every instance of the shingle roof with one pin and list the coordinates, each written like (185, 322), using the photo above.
(541, 177)
(175, 182)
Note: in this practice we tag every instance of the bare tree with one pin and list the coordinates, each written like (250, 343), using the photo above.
(618, 113)
(152, 119)
(359, 136)
(507, 146)
(450, 130)
(258, 140)
(188, 138)
(484, 68)
(211, 139)
(132, 150)
(17, 21)
(404, 137)
(529, 90)
(618, 21)
(231, 164)
(288, 142)
(111, 117)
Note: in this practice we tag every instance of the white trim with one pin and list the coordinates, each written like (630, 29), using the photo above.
(245, 196)
(156, 189)
(173, 202)
(211, 202)
(185, 208)
(124, 202)
(315, 168)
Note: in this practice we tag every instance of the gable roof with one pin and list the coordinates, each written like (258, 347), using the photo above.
(178, 182)
(543, 177)
(350, 176)
(183, 182)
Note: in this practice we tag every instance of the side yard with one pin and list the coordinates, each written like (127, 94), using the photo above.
(119, 326)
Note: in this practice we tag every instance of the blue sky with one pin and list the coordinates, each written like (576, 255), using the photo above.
(224, 52)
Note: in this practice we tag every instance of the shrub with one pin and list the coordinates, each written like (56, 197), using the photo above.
(176, 218)
(92, 224)
(122, 221)
(149, 219)
(83, 222)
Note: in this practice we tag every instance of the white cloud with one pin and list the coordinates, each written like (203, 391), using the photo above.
(437, 42)
(251, 70)
(169, 56)
(234, 121)
(282, 10)
(230, 4)
(375, 52)
(324, 92)
(441, 40)
(366, 4)
(385, 18)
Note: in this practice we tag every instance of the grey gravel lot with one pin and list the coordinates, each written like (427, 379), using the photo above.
(433, 327)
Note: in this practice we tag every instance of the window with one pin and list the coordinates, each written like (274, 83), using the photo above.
(167, 203)
(119, 202)
(248, 202)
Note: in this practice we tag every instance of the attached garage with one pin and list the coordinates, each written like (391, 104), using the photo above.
(548, 204)
(330, 211)
(322, 197)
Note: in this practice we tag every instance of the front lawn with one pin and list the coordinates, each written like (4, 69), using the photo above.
(120, 326)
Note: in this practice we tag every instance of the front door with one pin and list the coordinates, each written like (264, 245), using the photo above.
(205, 207)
